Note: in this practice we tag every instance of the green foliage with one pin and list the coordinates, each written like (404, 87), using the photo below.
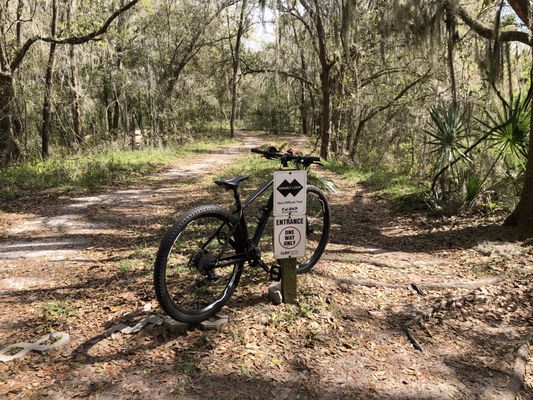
(186, 366)
(55, 312)
(449, 129)
(386, 183)
(125, 266)
(253, 165)
(93, 170)
(164, 71)
(305, 309)
(509, 130)
(272, 118)
(321, 182)
(268, 110)
(473, 184)
(348, 171)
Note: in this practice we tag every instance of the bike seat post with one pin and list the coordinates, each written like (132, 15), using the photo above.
(237, 199)
(239, 210)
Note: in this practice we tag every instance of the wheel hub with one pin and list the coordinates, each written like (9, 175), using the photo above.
(203, 261)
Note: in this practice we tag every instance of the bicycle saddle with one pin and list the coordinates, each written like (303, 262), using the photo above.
(232, 183)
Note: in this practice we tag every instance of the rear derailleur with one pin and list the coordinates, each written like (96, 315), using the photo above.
(203, 262)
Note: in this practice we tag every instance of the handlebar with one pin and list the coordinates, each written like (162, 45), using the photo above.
(273, 153)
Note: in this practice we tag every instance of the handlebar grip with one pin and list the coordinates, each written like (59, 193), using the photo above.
(271, 154)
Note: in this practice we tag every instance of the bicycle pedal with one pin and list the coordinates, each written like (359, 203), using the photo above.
(275, 273)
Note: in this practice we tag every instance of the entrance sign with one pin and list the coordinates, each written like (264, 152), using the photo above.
(290, 189)
(289, 236)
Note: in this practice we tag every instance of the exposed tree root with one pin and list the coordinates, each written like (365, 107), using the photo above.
(464, 285)
(419, 287)
(448, 303)
(384, 263)
(519, 371)
(418, 317)
(412, 338)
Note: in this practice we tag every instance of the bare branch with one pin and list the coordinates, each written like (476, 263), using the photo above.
(378, 74)
(383, 107)
(248, 70)
(70, 40)
(482, 30)
(285, 73)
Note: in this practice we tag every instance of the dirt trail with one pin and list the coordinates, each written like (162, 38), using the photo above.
(69, 230)
(82, 264)
(68, 227)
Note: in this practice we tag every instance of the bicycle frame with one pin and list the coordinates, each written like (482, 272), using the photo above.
(266, 211)
(252, 242)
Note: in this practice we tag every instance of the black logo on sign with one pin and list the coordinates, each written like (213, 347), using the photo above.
(293, 188)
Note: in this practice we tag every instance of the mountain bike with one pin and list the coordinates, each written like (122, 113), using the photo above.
(202, 256)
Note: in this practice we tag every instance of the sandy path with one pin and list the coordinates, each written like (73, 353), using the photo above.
(69, 231)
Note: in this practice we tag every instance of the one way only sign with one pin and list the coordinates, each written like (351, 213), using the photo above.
(290, 188)
(289, 236)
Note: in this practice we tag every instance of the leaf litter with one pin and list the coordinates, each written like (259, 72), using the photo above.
(341, 340)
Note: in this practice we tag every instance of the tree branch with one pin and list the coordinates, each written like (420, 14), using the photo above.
(289, 74)
(482, 30)
(69, 40)
(388, 71)
(379, 109)
(521, 8)
(3, 54)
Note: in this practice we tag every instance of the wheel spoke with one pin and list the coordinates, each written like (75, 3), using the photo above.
(190, 270)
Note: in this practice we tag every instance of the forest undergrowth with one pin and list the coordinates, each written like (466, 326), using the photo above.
(98, 168)
(345, 337)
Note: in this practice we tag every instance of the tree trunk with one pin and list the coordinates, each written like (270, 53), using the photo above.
(521, 7)
(326, 114)
(336, 113)
(236, 63)
(509, 68)
(304, 110)
(356, 139)
(76, 110)
(522, 216)
(106, 97)
(47, 104)
(9, 148)
(116, 115)
(450, 29)
(325, 85)
(20, 8)
(118, 82)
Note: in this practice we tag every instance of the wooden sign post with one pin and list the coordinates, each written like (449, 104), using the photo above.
(288, 280)
(290, 194)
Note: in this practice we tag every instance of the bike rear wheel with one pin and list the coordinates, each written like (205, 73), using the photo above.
(187, 286)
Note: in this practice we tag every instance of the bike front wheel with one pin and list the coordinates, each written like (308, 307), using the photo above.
(317, 228)
(188, 286)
